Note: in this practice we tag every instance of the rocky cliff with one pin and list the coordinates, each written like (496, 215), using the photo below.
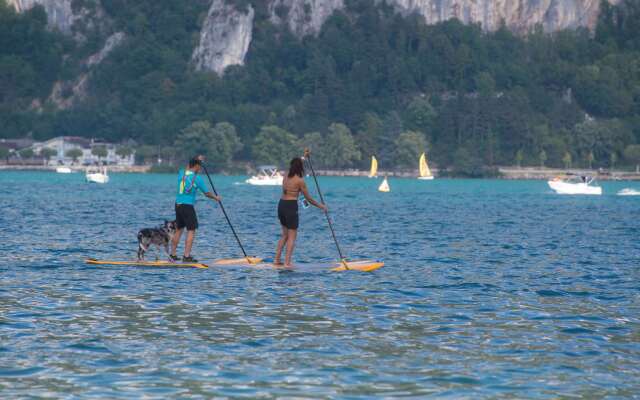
(224, 38)
(227, 31)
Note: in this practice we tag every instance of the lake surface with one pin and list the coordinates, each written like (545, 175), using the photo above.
(491, 289)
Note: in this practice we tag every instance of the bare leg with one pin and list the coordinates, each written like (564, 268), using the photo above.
(175, 240)
(291, 243)
(189, 243)
(281, 243)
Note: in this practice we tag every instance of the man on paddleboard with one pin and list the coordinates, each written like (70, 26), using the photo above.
(189, 183)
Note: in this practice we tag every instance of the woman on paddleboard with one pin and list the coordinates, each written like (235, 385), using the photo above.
(292, 185)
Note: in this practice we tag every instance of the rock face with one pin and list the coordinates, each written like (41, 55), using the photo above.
(227, 32)
(518, 15)
(59, 12)
(225, 37)
(303, 17)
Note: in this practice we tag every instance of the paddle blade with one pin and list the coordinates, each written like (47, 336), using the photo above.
(239, 261)
(363, 266)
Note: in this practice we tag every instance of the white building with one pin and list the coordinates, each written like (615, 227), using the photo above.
(62, 144)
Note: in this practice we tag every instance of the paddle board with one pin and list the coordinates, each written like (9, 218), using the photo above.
(164, 264)
(362, 266)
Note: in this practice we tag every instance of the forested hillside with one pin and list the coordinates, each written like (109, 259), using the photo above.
(372, 82)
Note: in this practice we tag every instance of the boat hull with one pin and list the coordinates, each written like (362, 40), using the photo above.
(64, 170)
(264, 182)
(97, 178)
(561, 187)
(426, 178)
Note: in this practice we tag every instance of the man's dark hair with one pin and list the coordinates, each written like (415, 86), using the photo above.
(194, 161)
(296, 168)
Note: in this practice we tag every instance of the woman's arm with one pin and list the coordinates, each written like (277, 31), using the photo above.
(305, 192)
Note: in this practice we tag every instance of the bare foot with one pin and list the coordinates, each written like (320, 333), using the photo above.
(277, 262)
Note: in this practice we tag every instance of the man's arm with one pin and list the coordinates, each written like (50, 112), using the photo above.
(202, 186)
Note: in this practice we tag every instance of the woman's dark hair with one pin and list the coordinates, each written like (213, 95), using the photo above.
(296, 168)
(194, 161)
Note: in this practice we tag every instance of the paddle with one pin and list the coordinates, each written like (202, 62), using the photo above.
(227, 216)
(326, 212)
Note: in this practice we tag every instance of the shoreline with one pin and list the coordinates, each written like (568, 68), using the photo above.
(506, 173)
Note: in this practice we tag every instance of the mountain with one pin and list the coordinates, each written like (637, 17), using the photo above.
(474, 82)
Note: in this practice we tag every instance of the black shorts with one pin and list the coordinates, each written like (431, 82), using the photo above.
(186, 217)
(288, 213)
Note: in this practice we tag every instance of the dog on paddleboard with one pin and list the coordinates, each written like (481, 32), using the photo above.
(159, 237)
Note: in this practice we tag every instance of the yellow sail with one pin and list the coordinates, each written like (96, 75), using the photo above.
(425, 172)
(374, 167)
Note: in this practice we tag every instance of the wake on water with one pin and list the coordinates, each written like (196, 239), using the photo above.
(629, 192)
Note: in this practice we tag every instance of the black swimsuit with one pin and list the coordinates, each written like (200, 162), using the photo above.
(288, 213)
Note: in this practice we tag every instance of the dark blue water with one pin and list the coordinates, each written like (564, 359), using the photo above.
(491, 289)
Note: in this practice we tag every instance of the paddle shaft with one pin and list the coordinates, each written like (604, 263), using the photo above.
(225, 214)
(326, 212)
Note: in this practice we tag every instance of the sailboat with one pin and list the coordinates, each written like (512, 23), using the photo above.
(374, 168)
(384, 186)
(425, 172)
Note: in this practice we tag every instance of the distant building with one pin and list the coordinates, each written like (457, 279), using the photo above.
(63, 144)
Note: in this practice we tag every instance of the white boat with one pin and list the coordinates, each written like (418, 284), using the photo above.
(629, 192)
(97, 175)
(575, 185)
(384, 186)
(63, 170)
(425, 172)
(268, 176)
(373, 173)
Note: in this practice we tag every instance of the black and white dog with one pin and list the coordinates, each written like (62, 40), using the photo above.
(160, 237)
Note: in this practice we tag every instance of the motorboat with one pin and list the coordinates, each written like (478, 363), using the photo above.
(63, 170)
(575, 185)
(268, 176)
(99, 175)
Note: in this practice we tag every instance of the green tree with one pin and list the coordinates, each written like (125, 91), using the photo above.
(632, 155)
(100, 152)
(342, 151)
(124, 151)
(194, 140)
(315, 142)
(26, 153)
(47, 153)
(566, 159)
(4, 153)
(409, 146)
(613, 159)
(224, 143)
(74, 154)
(274, 145)
(420, 115)
(543, 158)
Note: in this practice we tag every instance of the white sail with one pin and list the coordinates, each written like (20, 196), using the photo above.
(374, 167)
(384, 186)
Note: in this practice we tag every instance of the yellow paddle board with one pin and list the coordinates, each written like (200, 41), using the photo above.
(136, 263)
(363, 266)
(239, 261)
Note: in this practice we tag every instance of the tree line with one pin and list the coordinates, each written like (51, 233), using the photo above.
(372, 82)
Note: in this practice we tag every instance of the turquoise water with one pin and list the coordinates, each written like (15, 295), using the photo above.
(493, 289)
